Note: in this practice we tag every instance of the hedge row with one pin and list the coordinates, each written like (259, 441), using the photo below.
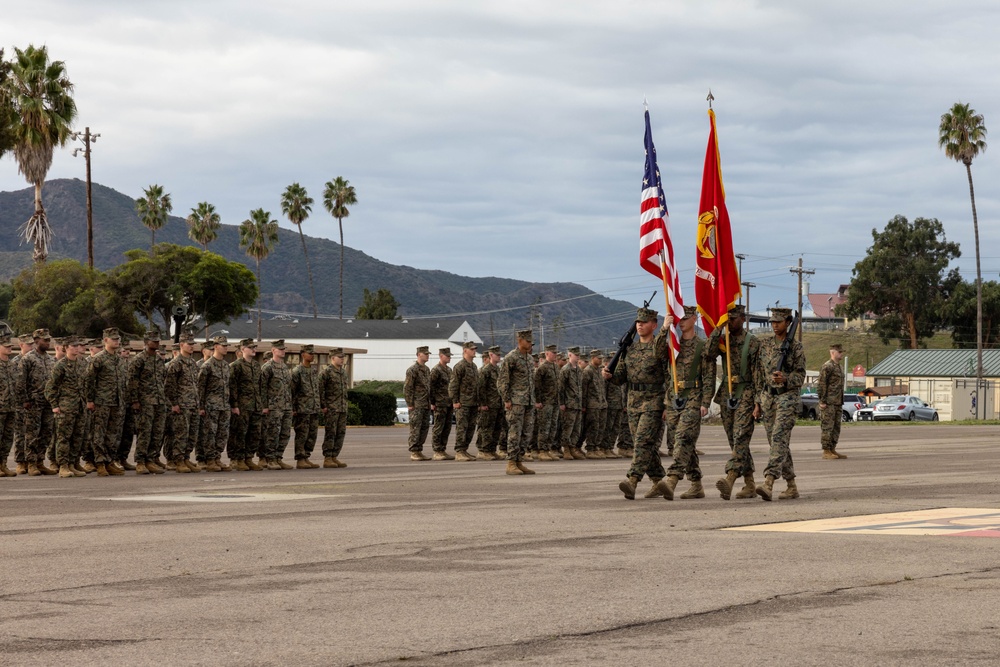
(376, 408)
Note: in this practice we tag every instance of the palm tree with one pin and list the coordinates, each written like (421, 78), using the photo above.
(962, 135)
(154, 209)
(296, 204)
(258, 236)
(337, 196)
(40, 100)
(203, 224)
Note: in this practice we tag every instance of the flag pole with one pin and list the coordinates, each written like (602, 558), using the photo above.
(666, 296)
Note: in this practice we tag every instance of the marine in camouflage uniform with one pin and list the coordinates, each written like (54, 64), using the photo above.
(213, 401)
(490, 419)
(687, 406)
(333, 386)
(516, 384)
(244, 397)
(276, 399)
(830, 390)
(463, 392)
(738, 422)
(779, 402)
(570, 405)
(595, 404)
(180, 389)
(149, 404)
(36, 367)
(441, 405)
(65, 392)
(26, 343)
(547, 393)
(645, 368)
(416, 393)
(8, 404)
(107, 388)
(305, 407)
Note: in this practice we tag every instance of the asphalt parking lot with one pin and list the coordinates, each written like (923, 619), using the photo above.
(447, 563)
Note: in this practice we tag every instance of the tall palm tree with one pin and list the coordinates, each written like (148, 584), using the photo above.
(296, 204)
(337, 196)
(153, 209)
(203, 224)
(39, 95)
(962, 135)
(258, 236)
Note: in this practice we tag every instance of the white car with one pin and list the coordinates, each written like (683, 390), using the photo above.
(402, 413)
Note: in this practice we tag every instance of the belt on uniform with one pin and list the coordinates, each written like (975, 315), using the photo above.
(777, 391)
(688, 384)
(644, 386)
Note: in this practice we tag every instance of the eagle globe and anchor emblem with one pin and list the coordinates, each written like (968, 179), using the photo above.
(707, 227)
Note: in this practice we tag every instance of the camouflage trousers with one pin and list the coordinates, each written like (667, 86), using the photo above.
(18, 443)
(739, 424)
(465, 426)
(150, 421)
(215, 434)
(334, 432)
(779, 414)
(306, 427)
(646, 428)
(612, 427)
(442, 427)
(502, 442)
(593, 427)
(277, 431)
(126, 432)
(829, 422)
(69, 435)
(624, 433)
(7, 421)
(39, 427)
(571, 427)
(490, 427)
(533, 440)
(420, 419)
(520, 421)
(547, 420)
(184, 427)
(685, 424)
(106, 424)
(244, 435)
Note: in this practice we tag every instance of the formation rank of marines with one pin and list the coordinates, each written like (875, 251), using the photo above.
(82, 410)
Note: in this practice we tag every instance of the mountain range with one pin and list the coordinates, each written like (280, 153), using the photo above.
(586, 318)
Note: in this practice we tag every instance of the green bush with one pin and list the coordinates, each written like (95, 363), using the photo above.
(353, 414)
(377, 408)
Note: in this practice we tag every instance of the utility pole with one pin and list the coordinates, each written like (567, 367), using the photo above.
(800, 271)
(87, 138)
(740, 256)
(748, 286)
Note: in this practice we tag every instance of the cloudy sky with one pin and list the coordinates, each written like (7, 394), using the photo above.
(505, 137)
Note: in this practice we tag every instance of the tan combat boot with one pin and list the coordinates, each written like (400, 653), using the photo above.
(830, 455)
(33, 470)
(418, 456)
(210, 466)
(241, 465)
(102, 470)
(523, 468)
(749, 489)
(7, 472)
(64, 470)
(193, 465)
(512, 468)
(125, 465)
(485, 456)
(543, 455)
(154, 467)
(283, 465)
(442, 456)
(591, 454)
(180, 465)
(578, 454)
(45, 470)
(791, 492)
(765, 490)
(169, 465)
(114, 470)
(223, 467)
(251, 465)
(328, 462)
(78, 467)
(463, 455)
(340, 464)
(839, 455)
(272, 464)
(655, 491)
(530, 455)
(668, 485)
(696, 490)
(628, 487)
(140, 469)
(302, 464)
(725, 485)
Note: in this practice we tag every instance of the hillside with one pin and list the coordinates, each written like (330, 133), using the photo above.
(285, 283)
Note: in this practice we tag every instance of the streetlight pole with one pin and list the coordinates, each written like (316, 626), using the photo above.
(87, 138)
(740, 256)
(748, 286)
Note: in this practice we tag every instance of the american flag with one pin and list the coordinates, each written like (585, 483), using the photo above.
(656, 250)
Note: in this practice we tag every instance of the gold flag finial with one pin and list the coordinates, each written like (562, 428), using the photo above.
(710, 98)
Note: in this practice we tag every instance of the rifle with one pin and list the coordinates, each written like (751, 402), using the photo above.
(625, 341)
(786, 345)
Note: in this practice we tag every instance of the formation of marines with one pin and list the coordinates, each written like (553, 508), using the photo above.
(81, 409)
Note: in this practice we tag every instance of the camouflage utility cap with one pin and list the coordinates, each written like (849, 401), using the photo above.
(219, 340)
(278, 344)
(837, 347)
(574, 350)
(595, 353)
(469, 345)
(248, 342)
(337, 352)
(42, 333)
(551, 348)
(186, 338)
(495, 349)
(25, 338)
(780, 314)
(645, 315)
(5, 341)
(424, 349)
(446, 351)
(151, 335)
(525, 334)
(306, 349)
(690, 311)
(737, 311)
(113, 333)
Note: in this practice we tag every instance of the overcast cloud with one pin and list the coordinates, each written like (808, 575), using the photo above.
(505, 138)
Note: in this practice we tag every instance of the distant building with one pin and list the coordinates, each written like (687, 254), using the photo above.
(391, 344)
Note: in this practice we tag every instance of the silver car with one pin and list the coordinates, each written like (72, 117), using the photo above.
(402, 413)
(903, 408)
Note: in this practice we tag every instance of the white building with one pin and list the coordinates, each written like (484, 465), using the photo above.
(391, 344)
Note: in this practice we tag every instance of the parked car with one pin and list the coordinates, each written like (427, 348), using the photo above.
(810, 406)
(904, 408)
(866, 414)
(402, 414)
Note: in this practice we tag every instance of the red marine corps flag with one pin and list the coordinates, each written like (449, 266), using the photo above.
(716, 279)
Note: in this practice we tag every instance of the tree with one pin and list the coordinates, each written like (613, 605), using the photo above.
(203, 224)
(258, 236)
(296, 204)
(6, 109)
(153, 210)
(962, 135)
(39, 95)
(337, 196)
(63, 296)
(960, 312)
(900, 280)
(381, 305)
